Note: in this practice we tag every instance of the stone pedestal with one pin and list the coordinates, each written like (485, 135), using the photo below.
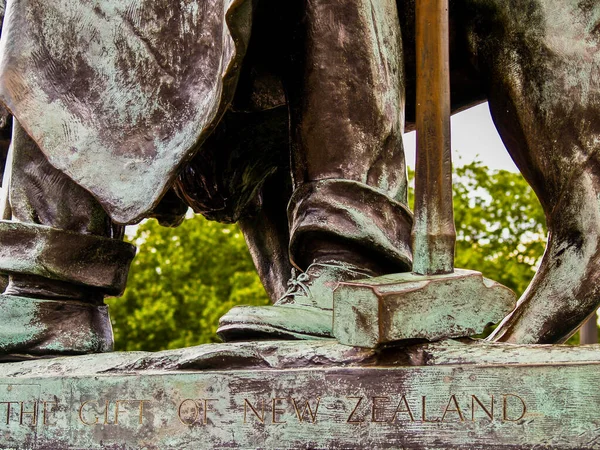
(451, 394)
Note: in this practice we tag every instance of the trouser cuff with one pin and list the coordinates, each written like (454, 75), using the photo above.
(352, 212)
(81, 259)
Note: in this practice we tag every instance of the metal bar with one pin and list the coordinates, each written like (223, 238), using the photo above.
(588, 333)
(433, 234)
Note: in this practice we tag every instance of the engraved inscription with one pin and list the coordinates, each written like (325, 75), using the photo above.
(192, 412)
(108, 412)
(281, 409)
(379, 409)
(453, 408)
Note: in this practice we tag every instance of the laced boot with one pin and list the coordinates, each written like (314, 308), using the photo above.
(305, 311)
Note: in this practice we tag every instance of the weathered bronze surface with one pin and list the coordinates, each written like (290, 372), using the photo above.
(131, 87)
(124, 111)
(347, 196)
(409, 306)
(434, 301)
(433, 234)
(305, 395)
(287, 117)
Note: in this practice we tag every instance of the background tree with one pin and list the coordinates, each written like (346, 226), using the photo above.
(501, 229)
(181, 281)
(184, 279)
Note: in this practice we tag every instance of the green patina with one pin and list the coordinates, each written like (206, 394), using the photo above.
(406, 306)
(307, 395)
(20, 322)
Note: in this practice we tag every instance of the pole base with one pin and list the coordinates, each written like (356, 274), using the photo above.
(405, 306)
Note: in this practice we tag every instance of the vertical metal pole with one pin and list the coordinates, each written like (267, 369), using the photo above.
(588, 333)
(433, 233)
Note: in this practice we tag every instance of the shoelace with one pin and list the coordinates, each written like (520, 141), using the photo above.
(295, 283)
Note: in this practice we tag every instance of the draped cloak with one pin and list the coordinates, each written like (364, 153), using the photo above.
(119, 94)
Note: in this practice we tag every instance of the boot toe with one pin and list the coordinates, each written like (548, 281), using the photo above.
(281, 322)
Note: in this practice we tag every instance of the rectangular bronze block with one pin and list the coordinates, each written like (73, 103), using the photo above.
(374, 311)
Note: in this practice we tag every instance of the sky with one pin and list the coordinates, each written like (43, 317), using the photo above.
(474, 136)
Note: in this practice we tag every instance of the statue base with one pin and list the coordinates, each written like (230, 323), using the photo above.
(309, 394)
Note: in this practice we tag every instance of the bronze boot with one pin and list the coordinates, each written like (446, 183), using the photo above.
(305, 311)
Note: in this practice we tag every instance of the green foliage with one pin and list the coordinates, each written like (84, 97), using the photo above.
(182, 280)
(500, 225)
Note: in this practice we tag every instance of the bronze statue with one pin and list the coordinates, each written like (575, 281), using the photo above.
(125, 111)
(347, 217)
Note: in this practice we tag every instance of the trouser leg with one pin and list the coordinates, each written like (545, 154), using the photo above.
(347, 99)
(267, 235)
(347, 215)
(63, 254)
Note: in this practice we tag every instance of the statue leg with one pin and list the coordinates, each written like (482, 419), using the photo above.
(347, 215)
(543, 64)
(347, 98)
(63, 255)
(242, 175)
(267, 235)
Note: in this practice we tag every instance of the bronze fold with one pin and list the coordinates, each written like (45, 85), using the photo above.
(352, 213)
(32, 327)
(87, 260)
